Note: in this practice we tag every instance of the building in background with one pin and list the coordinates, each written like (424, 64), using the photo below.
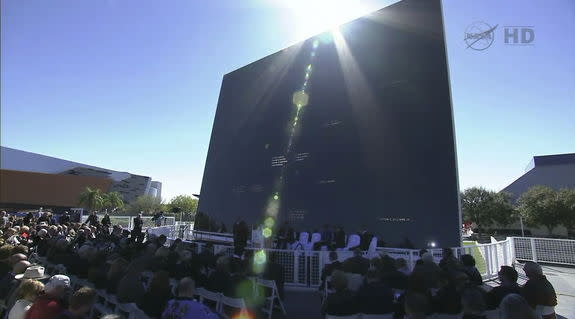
(30, 180)
(556, 171)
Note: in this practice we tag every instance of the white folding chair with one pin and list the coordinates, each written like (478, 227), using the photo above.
(352, 241)
(382, 316)
(315, 237)
(206, 295)
(372, 245)
(233, 303)
(271, 284)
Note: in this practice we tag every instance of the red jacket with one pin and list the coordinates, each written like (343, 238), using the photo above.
(45, 308)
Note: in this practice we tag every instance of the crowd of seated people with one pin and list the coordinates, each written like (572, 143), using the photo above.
(454, 286)
(115, 260)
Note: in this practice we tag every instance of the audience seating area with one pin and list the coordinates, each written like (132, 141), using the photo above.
(224, 306)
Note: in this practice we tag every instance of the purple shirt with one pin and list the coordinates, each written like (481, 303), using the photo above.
(187, 308)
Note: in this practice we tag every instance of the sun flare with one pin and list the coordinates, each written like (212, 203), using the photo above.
(316, 16)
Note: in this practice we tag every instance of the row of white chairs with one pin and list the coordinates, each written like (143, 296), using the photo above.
(352, 241)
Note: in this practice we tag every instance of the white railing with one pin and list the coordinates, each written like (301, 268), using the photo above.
(303, 267)
(128, 221)
(546, 250)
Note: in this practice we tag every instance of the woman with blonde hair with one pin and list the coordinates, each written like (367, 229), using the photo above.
(27, 293)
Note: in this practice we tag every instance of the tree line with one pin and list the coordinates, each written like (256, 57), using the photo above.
(538, 206)
(93, 199)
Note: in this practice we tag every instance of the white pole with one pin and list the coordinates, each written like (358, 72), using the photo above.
(521, 222)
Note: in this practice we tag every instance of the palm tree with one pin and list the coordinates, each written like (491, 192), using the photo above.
(92, 199)
(113, 201)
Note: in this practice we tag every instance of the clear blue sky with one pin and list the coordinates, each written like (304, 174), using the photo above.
(132, 85)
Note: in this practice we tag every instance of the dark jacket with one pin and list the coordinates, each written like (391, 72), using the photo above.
(340, 303)
(356, 265)
(473, 275)
(365, 240)
(375, 298)
(497, 294)
(539, 291)
(329, 268)
(154, 305)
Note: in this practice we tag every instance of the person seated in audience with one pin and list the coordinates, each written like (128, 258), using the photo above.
(156, 297)
(81, 304)
(513, 306)
(429, 269)
(390, 275)
(473, 303)
(538, 291)
(27, 293)
(342, 302)
(115, 273)
(416, 284)
(130, 287)
(448, 261)
(220, 280)
(416, 306)
(508, 278)
(448, 298)
(375, 297)
(470, 270)
(356, 264)
(207, 256)
(5, 264)
(184, 306)
(9, 281)
(160, 260)
(53, 301)
(328, 269)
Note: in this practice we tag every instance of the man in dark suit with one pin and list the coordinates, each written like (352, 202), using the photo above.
(365, 239)
(339, 238)
(356, 264)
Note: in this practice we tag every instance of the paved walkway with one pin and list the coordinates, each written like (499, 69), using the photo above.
(305, 303)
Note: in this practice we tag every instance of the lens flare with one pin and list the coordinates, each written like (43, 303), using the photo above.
(269, 222)
(300, 98)
(243, 314)
(267, 232)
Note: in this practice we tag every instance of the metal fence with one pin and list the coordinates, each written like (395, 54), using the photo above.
(547, 250)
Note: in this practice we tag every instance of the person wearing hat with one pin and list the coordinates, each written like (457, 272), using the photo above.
(28, 291)
(9, 281)
(52, 303)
